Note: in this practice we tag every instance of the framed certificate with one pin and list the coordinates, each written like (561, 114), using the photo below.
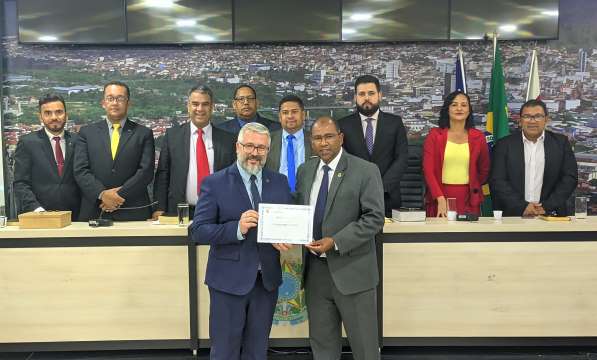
(281, 223)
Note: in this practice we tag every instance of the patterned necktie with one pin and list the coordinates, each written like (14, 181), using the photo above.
(255, 193)
(59, 155)
(369, 135)
(322, 197)
(202, 162)
(290, 162)
(115, 139)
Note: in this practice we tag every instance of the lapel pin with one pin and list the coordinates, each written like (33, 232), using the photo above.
(339, 174)
(267, 180)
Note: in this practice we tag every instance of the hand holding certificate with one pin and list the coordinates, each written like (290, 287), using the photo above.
(281, 223)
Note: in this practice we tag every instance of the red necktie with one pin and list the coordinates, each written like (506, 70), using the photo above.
(202, 163)
(59, 155)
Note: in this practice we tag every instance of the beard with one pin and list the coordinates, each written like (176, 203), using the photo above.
(251, 169)
(368, 112)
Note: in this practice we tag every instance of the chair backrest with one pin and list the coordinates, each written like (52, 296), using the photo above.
(412, 184)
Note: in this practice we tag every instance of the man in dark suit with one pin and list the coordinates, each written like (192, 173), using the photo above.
(341, 274)
(114, 161)
(242, 275)
(185, 159)
(376, 136)
(290, 145)
(43, 178)
(245, 105)
(533, 172)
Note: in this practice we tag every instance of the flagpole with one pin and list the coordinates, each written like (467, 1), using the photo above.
(531, 73)
(495, 35)
(461, 60)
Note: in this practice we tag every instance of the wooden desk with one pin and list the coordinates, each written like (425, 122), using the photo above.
(125, 286)
(514, 282)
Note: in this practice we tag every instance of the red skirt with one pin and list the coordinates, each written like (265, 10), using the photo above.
(462, 195)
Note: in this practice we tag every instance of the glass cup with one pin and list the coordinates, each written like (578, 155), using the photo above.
(3, 218)
(183, 214)
(451, 202)
(580, 207)
(497, 214)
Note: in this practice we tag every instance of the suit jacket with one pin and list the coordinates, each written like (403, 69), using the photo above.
(36, 179)
(170, 183)
(390, 151)
(433, 163)
(233, 127)
(232, 264)
(354, 214)
(95, 171)
(560, 175)
(275, 151)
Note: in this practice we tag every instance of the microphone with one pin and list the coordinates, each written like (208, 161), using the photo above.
(99, 222)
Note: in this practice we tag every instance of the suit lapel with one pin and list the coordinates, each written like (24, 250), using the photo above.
(266, 182)
(357, 128)
(240, 186)
(125, 135)
(518, 159)
(48, 151)
(336, 180)
(68, 139)
(307, 136)
(104, 131)
(549, 153)
(379, 133)
(310, 171)
(276, 150)
(185, 140)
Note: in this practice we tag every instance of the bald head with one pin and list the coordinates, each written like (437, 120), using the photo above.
(326, 138)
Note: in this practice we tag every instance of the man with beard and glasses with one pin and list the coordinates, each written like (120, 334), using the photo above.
(43, 178)
(376, 136)
(189, 153)
(242, 276)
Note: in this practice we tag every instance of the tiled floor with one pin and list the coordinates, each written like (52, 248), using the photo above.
(302, 354)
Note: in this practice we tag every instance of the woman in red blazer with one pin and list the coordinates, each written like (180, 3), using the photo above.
(456, 130)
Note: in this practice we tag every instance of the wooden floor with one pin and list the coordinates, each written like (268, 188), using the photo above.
(303, 354)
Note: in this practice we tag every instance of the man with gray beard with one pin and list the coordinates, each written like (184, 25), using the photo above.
(243, 276)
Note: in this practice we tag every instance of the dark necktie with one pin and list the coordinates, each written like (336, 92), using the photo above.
(202, 162)
(369, 135)
(322, 197)
(59, 155)
(290, 161)
(255, 193)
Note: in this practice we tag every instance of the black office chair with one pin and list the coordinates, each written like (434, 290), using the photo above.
(412, 185)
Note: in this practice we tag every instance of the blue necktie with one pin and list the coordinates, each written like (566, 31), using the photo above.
(369, 135)
(290, 162)
(255, 193)
(320, 205)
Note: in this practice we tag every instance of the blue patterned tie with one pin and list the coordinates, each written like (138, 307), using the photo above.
(290, 162)
(255, 193)
(369, 135)
(320, 205)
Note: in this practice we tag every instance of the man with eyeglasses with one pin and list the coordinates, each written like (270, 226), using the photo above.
(533, 171)
(114, 162)
(245, 105)
(377, 136)
(242, 276)
(340, 273)
(189, 153)
(43, 177)
(291, 144)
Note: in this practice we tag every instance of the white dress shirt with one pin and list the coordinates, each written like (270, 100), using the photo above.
(534, 166)
(373, 123)
(191, 193)
(319, 178)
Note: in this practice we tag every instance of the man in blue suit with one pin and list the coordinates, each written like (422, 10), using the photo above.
(243, 276)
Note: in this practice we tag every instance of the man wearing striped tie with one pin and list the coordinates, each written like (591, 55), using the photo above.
(114, 161)
(378, 137)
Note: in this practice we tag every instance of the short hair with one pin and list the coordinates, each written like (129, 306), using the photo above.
(119, 83)
(534, 102)
(291, 98)
(444, 113)
(330, 119)
(256, 128)
(245, 86)
(366, 79)
(202, 89)
(48, 98)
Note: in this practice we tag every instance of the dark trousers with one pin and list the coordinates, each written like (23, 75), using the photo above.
(239, 326)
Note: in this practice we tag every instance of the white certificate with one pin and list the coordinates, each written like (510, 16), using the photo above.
(280, 223)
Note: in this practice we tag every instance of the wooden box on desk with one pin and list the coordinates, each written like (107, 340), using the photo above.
(45, 219)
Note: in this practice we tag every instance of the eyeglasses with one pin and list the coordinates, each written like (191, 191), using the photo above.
(242, 99)
(249, 148)
(117, 99)
(326, 137)
(537, 117)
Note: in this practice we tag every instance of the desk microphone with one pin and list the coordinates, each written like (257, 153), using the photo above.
(99, 222)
